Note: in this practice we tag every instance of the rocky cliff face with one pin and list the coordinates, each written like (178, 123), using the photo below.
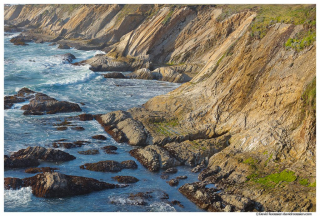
(248, 113)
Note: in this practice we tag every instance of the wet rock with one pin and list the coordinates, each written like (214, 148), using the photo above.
(19, 162)
(99, 137)
(43, 103)
(129, 164)
(50, 185)
(12, 183)
(109, 166)
(63, 46)
(197, 169)
(126, 179)
(52, 44)
(181, 177)
(85, 117)
(18, 41)
(66, 145)
(22, 95)
(115, 75)
(40, 169)
(62, 128)
(110, 147)
(164, 176)
(81, 142)
(79, 128)
(32, 112)
(171, 170)
(176, 202)
(154, 157)
(66, 58)
(89, 152)
(30, 156)
(173, 182)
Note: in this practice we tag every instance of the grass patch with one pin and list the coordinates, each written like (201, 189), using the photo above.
(164, 127)
(301, 41)
(309, 96)
(312, 184)
(273, 179)
(69, 7)
(267, 161)
(250, 161)
(304, 182)
(168, 17)
(268, 15)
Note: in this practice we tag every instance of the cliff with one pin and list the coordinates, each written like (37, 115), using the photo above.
(248, 113)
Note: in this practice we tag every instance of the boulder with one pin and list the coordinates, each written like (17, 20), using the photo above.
(173, 182)
(19, 41)
(66, 58)
(129, 164)
(126, 179)
(22, 95)
(171, 170)
(55, 185)
(85, 117)
(154, 157)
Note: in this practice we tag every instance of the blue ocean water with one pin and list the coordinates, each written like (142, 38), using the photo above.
(37, 67)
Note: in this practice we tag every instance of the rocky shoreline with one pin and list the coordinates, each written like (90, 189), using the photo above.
(244, 118)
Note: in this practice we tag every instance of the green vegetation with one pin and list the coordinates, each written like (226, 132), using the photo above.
(250, 161)
(70, 7)
(312, 184)
(268, 15)
(304, 182)
(165, 126)
(126, 10)
(168, 17)
(273, 179)
(309, 96)
(301, 42)
(267, 161)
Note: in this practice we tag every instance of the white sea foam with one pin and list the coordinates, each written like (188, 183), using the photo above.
(75, 78)
(17, 198)
(161, 207)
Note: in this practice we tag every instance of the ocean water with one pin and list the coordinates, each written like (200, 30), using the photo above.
(37, 67)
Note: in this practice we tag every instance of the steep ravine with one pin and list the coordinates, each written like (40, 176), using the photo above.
(247, 114)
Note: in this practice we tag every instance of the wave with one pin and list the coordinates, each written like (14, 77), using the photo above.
(17, 198)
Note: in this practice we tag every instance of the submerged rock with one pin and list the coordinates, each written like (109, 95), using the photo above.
(99, 137)
(109, 166)
(30, 156)
(89, 152)
(19, 41)
(115, 75)
(66, 58)
(126, 179)
(85, 117)
(78, 128)
(63, 46)
(50, 185)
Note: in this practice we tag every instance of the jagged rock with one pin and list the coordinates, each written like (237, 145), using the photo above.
(19, 41)
(109, 166)
(173, 182)
(99, 137)
(89, 152)
(50, 185)
(115, 75)
(44, 103)
(197, 169)
(22, 95)
(30, 156)
(176, 202)
(154, 157)
(86, 117)
(40, 169)
(134, 131)
(126, 179)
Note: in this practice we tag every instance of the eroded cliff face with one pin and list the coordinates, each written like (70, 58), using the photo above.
(248, 114)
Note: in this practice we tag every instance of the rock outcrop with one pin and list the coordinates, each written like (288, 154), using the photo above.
(32, 155)
(109, 166)
(55, 185)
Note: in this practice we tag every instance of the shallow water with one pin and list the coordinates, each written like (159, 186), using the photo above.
(36, 67)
